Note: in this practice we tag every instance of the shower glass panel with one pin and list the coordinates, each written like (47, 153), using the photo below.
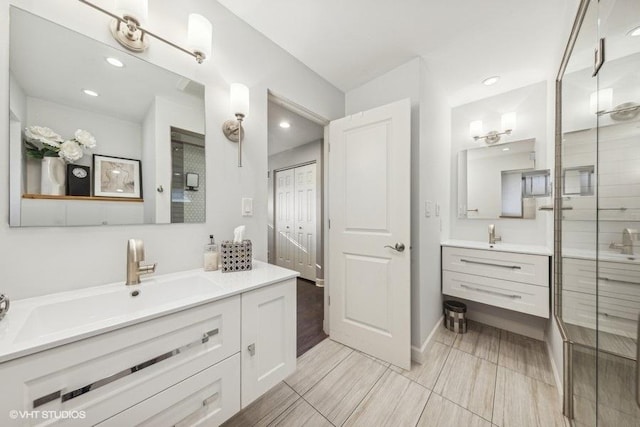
(598, 215)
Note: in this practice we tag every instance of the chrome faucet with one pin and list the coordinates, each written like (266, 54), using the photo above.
(492, 235)
(628, 236)
(135, 255)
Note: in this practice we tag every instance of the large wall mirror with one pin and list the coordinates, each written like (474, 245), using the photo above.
(99, 136)
(500, 181)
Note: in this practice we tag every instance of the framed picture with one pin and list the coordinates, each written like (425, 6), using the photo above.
(117, 177)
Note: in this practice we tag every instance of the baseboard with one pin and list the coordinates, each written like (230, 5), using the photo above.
(419, 355)
(556, 373)
(320, 283)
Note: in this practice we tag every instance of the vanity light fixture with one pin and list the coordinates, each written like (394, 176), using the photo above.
(128, 29)
(508, 124)
(491, 80)
(601, 103)
(239, 102)
(90, 92)
(285, 125)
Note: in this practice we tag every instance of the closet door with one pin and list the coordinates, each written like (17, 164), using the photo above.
(305, 221)
(285, 218)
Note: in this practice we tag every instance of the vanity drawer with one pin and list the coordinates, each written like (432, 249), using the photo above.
(616, 316)
(109, 373)
(514, 296)
(207, 398)
(615, 280)
(523, 268)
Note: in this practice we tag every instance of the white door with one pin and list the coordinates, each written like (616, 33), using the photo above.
(369, 234)
(284, 213)
(305, 224)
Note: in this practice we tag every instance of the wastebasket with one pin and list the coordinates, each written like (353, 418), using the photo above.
(455, 316)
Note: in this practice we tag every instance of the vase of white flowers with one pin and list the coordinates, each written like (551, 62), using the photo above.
(54, 151)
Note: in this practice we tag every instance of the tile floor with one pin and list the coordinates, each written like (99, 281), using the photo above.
(486, 377)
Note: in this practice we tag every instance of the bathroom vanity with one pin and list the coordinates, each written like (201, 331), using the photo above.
(514, 277)
(180, 349)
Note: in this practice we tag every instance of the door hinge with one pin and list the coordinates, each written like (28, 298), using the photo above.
(599, 57)
(329, 145)
(329, 224)
(329, 300)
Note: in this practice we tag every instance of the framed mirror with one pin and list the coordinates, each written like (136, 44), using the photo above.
(73, 99)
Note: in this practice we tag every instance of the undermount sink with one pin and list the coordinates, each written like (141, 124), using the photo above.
(113, 303)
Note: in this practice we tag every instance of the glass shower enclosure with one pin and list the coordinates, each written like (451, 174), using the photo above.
(597, 214)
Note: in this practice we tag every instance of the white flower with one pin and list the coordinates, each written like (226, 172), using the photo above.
(44, 135)
(85, 138)
(70, 151)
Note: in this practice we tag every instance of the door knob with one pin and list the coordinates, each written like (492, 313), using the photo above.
(398, 247)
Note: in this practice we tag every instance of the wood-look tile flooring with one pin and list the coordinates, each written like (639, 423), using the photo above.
(486, 377)
(310, 299)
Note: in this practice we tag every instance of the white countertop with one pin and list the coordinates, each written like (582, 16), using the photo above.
(499, 247)
(70, 316)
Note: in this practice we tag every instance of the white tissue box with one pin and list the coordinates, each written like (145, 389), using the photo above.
(236, 256)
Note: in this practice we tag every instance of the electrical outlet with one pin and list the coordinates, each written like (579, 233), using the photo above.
(427, 208)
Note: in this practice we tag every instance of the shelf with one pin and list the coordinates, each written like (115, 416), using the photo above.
(82, 198)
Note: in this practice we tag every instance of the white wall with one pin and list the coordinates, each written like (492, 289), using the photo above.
(530, 104)
(38, 261)
(309, 152)
(429, 178)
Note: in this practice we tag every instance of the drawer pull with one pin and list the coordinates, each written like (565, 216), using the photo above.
(619, 281)
(511, 267)
(490, 292)
(602, 313)
(209, 400)
(65, 396)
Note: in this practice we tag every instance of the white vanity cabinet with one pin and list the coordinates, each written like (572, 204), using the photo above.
(515, 281)
(617, 290)
(197, 366)
(268, 338)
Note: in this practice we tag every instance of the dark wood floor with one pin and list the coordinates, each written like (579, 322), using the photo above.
(310, 315)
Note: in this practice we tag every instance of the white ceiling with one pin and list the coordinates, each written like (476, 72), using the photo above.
(302, 130)
(351, 42)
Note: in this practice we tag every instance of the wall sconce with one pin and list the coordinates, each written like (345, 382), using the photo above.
(128, 29)
(232, 129)
(601, 103)
(508, 124)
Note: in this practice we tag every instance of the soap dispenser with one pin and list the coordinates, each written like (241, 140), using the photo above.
(211, 255)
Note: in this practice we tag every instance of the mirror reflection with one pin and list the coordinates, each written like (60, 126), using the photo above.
(98, 136)
(500, 181)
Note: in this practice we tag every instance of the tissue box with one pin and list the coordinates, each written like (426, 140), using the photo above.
(235, 256)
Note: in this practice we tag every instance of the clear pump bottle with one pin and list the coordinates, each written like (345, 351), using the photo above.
(211, 255)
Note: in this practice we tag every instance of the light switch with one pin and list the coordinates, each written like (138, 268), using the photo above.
(247, 206)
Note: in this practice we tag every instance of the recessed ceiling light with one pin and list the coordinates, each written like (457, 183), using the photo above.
(491, 80)
(506, 149)
(634, 32)
(90, 92)
(285, 125)
(115, 62)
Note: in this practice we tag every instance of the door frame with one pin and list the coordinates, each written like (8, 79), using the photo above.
(324, 234)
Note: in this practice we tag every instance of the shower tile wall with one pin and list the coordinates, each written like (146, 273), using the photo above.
(187, 206)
